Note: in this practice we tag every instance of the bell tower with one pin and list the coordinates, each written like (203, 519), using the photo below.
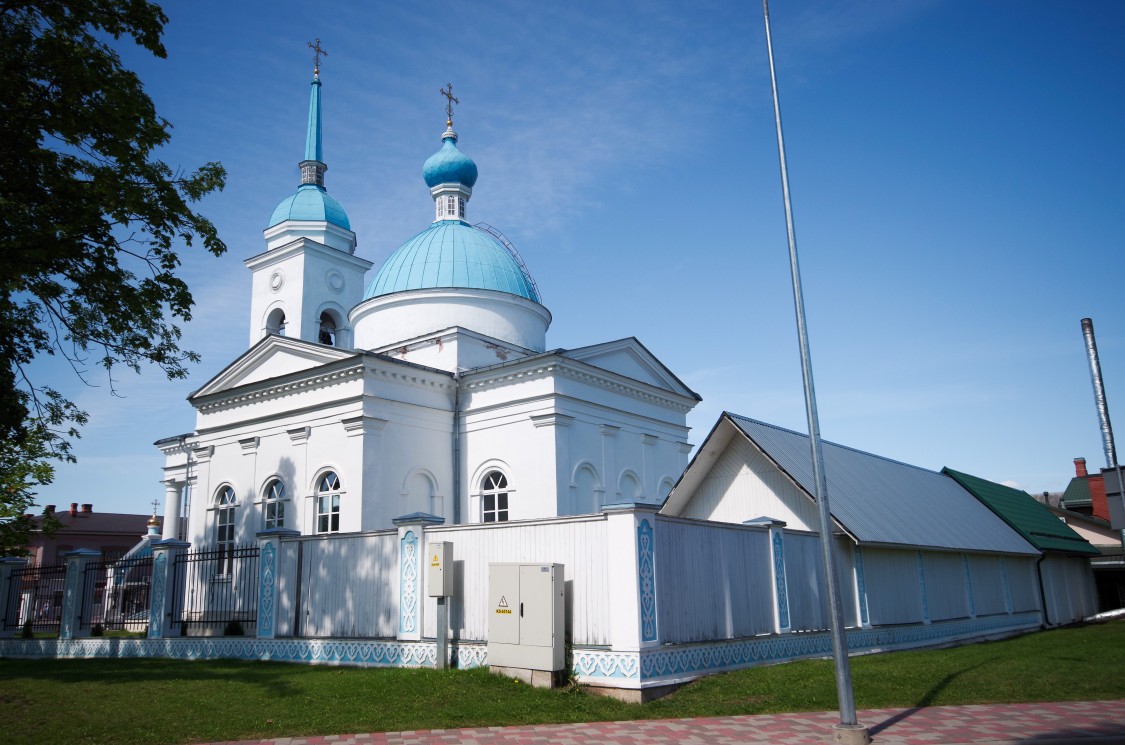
(308, 278)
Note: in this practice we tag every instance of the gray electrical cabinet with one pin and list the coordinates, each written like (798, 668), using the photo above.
(439, 570)
(526, 607)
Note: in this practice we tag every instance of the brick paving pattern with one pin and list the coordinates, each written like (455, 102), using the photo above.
(1087, 722)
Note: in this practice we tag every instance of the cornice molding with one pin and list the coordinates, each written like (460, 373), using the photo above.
(583, 373)
(261, 393)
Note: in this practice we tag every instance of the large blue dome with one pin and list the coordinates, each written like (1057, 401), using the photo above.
(453, 254)
(311, 203)
(449, 165)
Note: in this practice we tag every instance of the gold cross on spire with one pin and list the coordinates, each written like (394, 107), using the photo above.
(318, 52)
(450, 100)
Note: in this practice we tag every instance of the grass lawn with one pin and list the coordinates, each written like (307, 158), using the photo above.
(164, 701)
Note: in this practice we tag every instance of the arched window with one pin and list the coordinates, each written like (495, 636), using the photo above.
(224, 528)
(328, 504)
(275, 504)
(494, 498)
(275, 322)
(327, 333)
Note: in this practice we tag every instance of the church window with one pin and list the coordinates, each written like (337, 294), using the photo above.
(460, 207)
(328, 504)
(327, 329)
(275, 322)
(494, 498)
(224, 529)
(275, 504)
(450, 206)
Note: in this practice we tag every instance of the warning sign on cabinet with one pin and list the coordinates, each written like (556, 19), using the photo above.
(502, 606)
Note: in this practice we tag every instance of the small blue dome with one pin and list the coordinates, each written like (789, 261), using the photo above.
(311, 203)
(453, 254)
(449, 165)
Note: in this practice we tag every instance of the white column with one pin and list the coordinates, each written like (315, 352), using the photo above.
(632, 577)
(173, 497)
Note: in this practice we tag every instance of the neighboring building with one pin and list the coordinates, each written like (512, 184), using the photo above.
(429, 388)
(1085, 494)
(912, 546)
(1065, 577)
(1109, 567)
(113, 534)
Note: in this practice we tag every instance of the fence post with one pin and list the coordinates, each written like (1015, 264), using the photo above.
(164, 554)
(74, 596)
(631, 536)
(778, 583)
(9, 595)
(411, 593)
(269, 544)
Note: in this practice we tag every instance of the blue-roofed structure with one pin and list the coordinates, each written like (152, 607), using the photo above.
(312, 202)
(452, 253)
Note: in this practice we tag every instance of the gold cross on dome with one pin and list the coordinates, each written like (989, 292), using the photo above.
(450, 100)
(155, 505)
(318, 52)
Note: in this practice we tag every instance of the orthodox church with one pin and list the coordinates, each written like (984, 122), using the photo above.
(425, 388)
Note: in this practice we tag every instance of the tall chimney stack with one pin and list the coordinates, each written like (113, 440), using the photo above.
(1099, 393)
(1080, 467)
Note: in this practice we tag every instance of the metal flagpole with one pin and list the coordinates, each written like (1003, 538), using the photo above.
(849, 730)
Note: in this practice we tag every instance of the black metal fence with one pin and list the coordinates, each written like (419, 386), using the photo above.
(35, 594)
(215, 592)
(116, 594)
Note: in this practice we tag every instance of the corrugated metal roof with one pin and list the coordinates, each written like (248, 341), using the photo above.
(1029, 518)
(879, 500)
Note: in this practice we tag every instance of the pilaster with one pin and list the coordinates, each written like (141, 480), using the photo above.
(411, 577)
(70, 624)
(164, 554)
(779, 584)
(269, 544)
(631, 538)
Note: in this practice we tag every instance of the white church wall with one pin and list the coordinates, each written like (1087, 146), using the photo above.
(579, 543)
(742, 484)
(389, 319)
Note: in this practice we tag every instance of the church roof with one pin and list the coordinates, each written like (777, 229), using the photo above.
(453, 254)
(312, 202)
(449, 165)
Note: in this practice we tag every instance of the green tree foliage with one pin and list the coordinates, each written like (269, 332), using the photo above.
(90, 224)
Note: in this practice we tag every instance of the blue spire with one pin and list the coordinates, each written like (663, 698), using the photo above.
(312, 202)
(313, 166)
(313, 148)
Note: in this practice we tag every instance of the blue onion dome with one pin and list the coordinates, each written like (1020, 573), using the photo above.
(453, 254)
(313, 203)
(449, 165)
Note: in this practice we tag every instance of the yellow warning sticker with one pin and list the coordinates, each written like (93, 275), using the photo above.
(505, 611)
(435, 562)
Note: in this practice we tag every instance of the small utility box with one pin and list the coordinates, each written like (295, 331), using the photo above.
(439, 568)
(526, 621)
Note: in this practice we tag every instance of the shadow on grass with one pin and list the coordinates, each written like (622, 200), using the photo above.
(128, 671)
(927, 699)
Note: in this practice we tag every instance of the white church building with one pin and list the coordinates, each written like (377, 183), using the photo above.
(374, 416)
(425, 387)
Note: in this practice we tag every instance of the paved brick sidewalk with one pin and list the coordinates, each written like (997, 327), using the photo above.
(1085, 723)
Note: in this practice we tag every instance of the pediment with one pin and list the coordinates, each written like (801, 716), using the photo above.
(272, 357)
(630, 358)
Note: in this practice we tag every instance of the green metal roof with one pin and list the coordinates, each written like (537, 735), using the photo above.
(1077, 493)
(1029, 518)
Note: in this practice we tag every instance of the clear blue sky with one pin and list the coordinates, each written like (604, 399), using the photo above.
(957, 172)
